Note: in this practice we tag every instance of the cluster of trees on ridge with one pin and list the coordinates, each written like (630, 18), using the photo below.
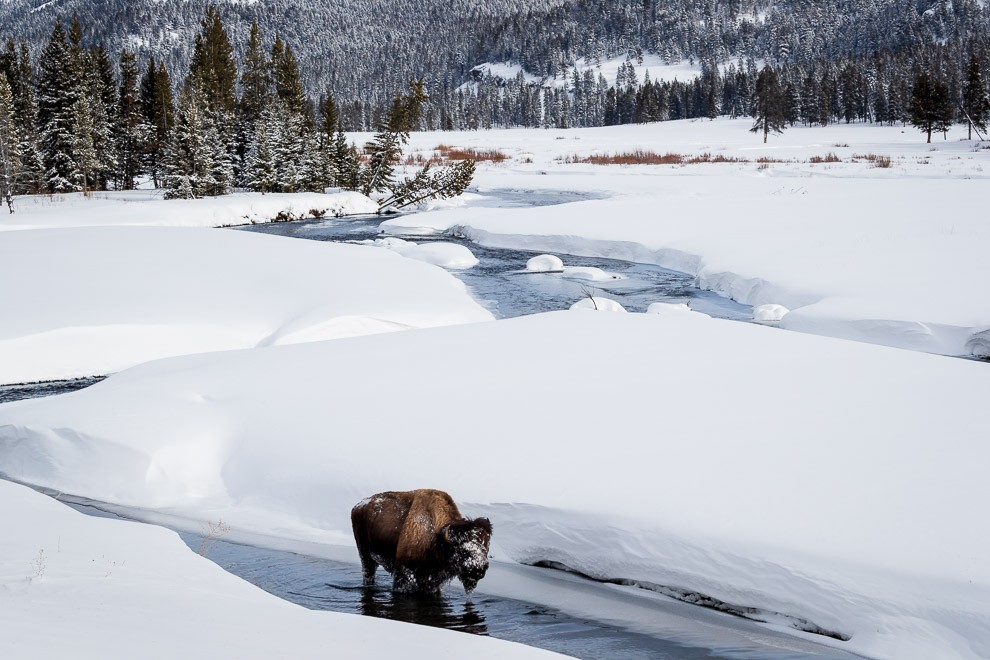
(71, 124)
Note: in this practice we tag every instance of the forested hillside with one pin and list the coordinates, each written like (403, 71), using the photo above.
(836, 60)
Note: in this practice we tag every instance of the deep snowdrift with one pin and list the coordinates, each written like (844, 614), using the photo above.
(81, 587)
(80, 302)
(829, 481)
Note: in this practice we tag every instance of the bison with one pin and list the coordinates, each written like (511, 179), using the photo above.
(420, 538)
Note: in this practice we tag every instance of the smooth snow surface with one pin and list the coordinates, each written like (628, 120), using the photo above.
(826, 481)
(590, 273)
(92, 301)
(81, 587)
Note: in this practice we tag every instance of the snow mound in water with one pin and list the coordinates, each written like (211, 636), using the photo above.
(769, 313)
(445, 255)
(591, 273)
(599, 304)
(545, 263)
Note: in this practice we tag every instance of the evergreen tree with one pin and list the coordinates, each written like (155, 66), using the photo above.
(930, 109)
(285, 73)
(32, 180)
(212, 69)
(385, 149)
(768, 106)
(101, 92)
(83, 146)
(345, 163)
(130, 119)
(158, 112)
(189, 159)
(59, 88)
(10, 156)
(976, 103)
(256, 80)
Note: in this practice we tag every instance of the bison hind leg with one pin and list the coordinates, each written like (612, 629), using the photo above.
(368, 567)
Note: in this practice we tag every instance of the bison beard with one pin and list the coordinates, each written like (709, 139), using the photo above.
(420, 538)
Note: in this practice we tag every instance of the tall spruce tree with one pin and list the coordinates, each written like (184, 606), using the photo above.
(59, 88)
(190, 155)
(930, 108)
(768, 104)
(32, 180)
(129, 121)
(976, 102)
(212, 69)
(101, 91)
(158, 111)
(10, 155)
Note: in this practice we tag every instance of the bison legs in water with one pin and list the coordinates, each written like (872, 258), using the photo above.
(420, 538)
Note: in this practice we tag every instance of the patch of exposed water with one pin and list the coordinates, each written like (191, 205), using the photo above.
(669, 630)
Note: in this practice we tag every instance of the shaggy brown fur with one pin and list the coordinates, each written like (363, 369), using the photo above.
(421, 538)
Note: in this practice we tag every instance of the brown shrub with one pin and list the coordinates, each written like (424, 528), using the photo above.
(830, 157)
(470, 153)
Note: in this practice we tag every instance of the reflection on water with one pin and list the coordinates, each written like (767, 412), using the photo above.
(436, 611)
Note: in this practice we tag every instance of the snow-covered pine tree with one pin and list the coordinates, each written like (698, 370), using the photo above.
(346, 163)
(101, 90)
(158, 114)
(83, 147)
(189, 158)
(386, 147)
(32, 179)
(930, 109)
(768, 105)
(213, 72)
(256, 91)
(59, 88)
(976, 102)
(129, 119)
(10, 156)
(259, 166)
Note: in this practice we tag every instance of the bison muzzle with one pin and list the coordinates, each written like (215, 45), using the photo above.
(420, 538)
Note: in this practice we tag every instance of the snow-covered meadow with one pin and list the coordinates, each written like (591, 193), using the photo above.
(827, 484)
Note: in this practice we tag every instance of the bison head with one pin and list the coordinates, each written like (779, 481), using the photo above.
(468, 541)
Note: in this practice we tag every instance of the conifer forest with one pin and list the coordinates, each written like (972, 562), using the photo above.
(203, 98)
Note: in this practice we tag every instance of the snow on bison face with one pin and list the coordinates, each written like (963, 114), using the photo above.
(470, 540)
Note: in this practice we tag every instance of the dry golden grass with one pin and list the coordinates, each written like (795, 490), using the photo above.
(470, 153)
(646, 157)
(830, 157)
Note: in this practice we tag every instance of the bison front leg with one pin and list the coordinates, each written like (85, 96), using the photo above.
(404, 580)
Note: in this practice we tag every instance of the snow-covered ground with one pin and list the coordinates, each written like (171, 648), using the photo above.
(824, 483)
(81, 587)
(88, 301)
